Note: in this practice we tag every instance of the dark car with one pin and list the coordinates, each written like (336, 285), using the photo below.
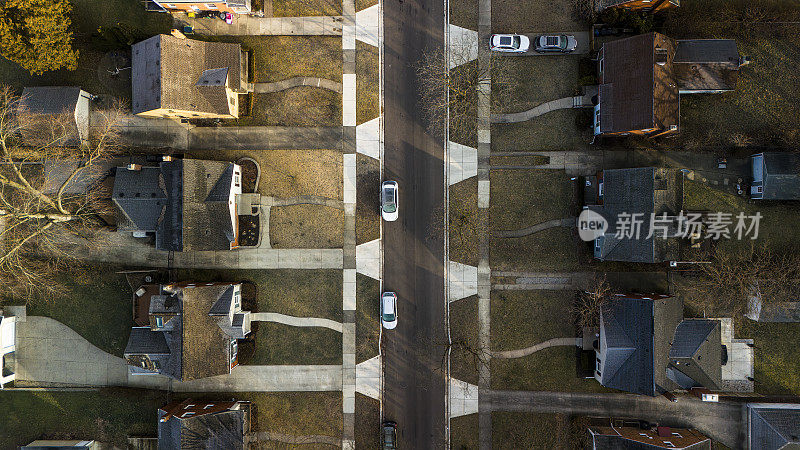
(389, 435)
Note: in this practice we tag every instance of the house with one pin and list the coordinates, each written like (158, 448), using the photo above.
(641, 191)
(188, 204)
(776, 176)
(8, 336)
(773, 426)
(190, 330)
(639, 5)
(645, 346)
(42, 444)
(614, 434)
(178, 78)
(641, 79)
(204, 424)
(173, 6)
(68, 104)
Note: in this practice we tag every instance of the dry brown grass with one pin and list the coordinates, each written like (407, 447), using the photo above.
(367, 214)
(362, 4)
(306, 226)
(298, 107)
(367, 88)
(295, 8)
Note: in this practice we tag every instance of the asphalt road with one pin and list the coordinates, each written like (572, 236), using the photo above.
(413, 253)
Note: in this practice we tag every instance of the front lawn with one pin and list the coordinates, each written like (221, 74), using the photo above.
(296, 107)
(107, 415)
(563, 129)
(523, 198)
(294, 292)
(306, 226)
(279, 344)
(534, 81)
(777, 363)
(512, 430)
(295, 8)
(551, 250)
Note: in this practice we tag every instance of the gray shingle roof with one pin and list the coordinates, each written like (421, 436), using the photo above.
(223, 430)
(775, 428)
(50, 99)
(145, 341)
(782, 176)
(166, 71)
(707, 51)
(141, 196)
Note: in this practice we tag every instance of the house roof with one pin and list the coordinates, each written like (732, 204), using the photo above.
(773, 428)
(634, 335)
(642, 191)
(637, 92)
(218, 430)
(721, 51)
(610, 442)
(50, 99)
(145, 341)
(185, 202)
(166, 71)
(781, 176)
(205, 346)
(706, 64)
(696, 353)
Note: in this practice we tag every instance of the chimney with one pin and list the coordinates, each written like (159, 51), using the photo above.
(177, 33)
(133, 166)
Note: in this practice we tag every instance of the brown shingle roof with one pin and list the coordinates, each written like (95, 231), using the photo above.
(641, 94)
(205, 346)
(166, 70)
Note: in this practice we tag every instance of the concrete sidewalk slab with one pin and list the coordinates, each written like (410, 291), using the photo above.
(463, 162)
(316, 378)
(253, 25)
(368, 25)
(463, 398)
(368, 377)
(368, 259)
(296, 321)
(463, 280)
(463, 45)
(368, 138)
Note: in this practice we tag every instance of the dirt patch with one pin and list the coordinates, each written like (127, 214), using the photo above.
(306, 226)
(367, 204)
(249, 174)
(249, 230)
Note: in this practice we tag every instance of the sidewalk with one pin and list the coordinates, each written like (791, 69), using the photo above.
(252, 25)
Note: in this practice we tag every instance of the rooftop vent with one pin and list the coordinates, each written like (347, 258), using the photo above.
(661, 56)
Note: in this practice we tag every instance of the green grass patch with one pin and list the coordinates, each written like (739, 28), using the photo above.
(464, 364)
(557, 130)
(279, 344)
(368, 173)
(367, 87)
(106, 415)
(773, 229)
(777, 364)
(295, 292)
(464, 432)
(296, 8)
(523, 198)
(92, 288)
(512, 430)
(368, 422)
(368, 323)
(554, 249)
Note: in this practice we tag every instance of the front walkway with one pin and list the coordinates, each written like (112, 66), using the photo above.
(246, 25)
(555, 342)
(553, 105)
(296, 321)
(277, 86)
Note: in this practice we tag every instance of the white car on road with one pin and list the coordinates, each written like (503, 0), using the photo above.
(510, 43)
(389, 310)
(389, 200)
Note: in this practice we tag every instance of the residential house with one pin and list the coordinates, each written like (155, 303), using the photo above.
(64, 114)
(61, 444)
(204, 424)
(645, 346)
(8, 336)
(641, 79)
(640, 192)
(178, 78)
(187, 6)
(776, 176)
(190, 330)
(188, 204)
(773, 426)
(639, 5)
(615, 434)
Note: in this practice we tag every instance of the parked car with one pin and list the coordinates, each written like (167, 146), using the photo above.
(509, 43)
(389, 310)
(389, 200)
(556, 43)
(389, 437)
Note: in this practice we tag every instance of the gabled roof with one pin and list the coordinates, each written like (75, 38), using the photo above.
(206, 214)
(206, 348)
(145, 341)
(774, 427)
(207, 431)
(781, 176)
(166, 71)
(223, 304)
(697, 354)
(50, 99)
(636, 92)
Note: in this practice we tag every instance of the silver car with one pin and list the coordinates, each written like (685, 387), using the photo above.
(389, 310)
(556, 43)
(389, 200)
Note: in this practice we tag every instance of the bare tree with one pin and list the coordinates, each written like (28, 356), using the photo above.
(591, 301)
(460, 76)
(727, 284)
(37, 204)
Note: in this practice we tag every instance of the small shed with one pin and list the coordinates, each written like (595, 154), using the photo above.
(52, 101)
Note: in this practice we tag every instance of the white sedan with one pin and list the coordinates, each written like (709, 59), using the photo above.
(389, 310)
(389, 200)
(509, 43)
